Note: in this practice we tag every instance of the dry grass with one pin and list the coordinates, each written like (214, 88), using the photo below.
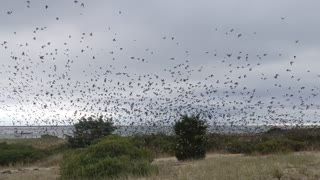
(46, 169)
(51, 161)
(41, 174)
(216, 166)
(240, 167)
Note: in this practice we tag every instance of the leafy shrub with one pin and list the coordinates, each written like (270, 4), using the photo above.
(191, 138)
(159, 144)
(279, 145)
(11, 154)
(245, 147)
(88, 130)
(112, 156)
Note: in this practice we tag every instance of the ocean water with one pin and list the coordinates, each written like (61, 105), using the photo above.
(7, 132)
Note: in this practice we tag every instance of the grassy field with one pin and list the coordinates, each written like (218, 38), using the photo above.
(304, 165)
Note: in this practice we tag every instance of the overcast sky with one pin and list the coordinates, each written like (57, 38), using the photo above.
(243, 62)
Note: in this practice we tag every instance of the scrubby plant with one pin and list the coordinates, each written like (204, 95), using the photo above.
(240, 146)
(110, 157)
(160, 144)
(279, 146)
(11, 154)
(191, 137)
(48, 136)
(89, 129)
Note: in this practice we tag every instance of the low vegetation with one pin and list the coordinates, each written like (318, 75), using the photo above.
(161, 145)
(26, 151)
(10, 154)
(272, 141)
(112, 156)
(46, 142)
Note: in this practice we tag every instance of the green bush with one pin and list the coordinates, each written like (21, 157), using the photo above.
(11, 154)
(237, 146)
(89, 129)
(191, 138)
(159, 144)
(279, 146)
(110, 157)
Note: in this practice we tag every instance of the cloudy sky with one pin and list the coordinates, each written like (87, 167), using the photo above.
(235, 62)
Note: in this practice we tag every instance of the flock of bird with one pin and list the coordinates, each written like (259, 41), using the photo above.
(56, 83)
